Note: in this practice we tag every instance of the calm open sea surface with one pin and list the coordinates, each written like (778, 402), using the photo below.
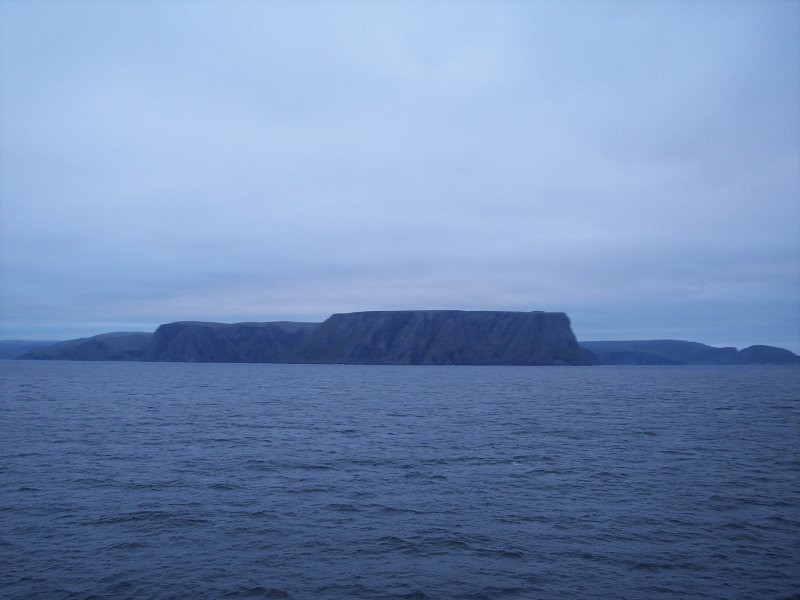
(154, 480)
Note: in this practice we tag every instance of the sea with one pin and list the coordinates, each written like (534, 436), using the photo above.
(141, 480)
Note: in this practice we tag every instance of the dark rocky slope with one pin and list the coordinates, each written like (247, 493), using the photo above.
(192, 341)
(444, 337)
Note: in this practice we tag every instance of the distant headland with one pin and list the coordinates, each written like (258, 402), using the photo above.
(407, 337)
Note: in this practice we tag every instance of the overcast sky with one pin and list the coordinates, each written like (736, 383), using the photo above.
(633, 164)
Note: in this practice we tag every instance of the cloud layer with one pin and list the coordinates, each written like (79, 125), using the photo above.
(636, 165)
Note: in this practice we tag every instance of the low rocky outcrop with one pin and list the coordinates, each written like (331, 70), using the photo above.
(106, 346)
(17, 348)
(768, 355)
(679, 352)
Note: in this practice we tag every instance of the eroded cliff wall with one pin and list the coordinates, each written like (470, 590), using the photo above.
(444, 337)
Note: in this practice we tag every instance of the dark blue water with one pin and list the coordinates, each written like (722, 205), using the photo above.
(137, 480)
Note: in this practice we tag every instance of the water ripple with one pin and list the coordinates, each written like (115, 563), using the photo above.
(135, 480)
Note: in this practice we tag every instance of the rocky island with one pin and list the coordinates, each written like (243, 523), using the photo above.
(413, 337)
(400, 337)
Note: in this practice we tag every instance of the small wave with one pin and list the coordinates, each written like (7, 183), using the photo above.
(311, 489)
(126, 546)
(259, 465)
(668, 565)
(348, 591)
(744, 536)
(389, 543)
(258, 592)
(342, 507)
(396, 510)
(446, 544)
(122, 589)
(314, 467)
(517, 519)
(223, 486)
(415, 595)
(425, 476)
(784, 521)
(151, 485)
(500, 552)
(732, 525)
(144, 516)
(491, 593)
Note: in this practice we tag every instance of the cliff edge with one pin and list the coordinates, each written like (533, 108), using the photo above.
(444, 337)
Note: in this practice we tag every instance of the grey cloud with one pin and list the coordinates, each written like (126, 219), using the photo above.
(248, 160)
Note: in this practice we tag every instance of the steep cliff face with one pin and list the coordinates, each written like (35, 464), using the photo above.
(192, 341)
(446, 337)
